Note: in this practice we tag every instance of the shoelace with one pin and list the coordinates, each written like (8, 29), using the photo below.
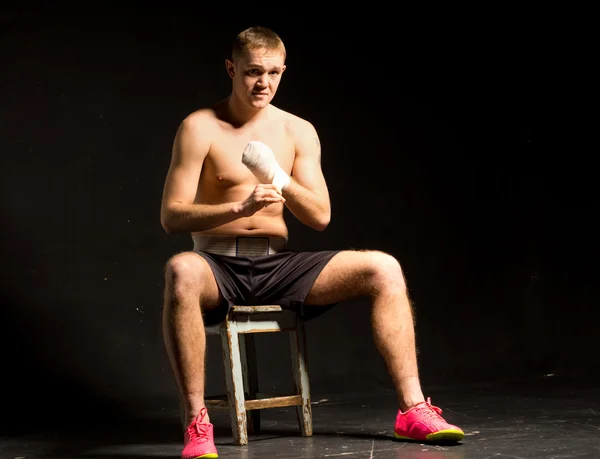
(198, 432)
(429, 411)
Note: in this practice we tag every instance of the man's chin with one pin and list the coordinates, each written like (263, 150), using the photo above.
(258, 104)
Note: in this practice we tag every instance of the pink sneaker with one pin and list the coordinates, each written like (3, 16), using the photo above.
(199, 439)
(424, 423)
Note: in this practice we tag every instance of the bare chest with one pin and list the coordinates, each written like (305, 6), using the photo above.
(223, 166)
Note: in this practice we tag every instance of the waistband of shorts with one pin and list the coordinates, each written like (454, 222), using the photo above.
(239, 246)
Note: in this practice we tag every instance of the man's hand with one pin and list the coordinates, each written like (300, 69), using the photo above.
(262, 196)
(260, 159)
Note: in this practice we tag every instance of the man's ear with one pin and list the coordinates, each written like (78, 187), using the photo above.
(230, 68)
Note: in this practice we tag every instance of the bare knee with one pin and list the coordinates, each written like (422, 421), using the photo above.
(185, 274)
(384, 271)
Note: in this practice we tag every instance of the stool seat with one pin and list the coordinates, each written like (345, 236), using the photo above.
(243, 400)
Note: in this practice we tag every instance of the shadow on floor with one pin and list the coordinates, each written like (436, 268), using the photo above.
(164, 440)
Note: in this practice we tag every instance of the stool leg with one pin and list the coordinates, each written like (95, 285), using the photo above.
(234, 381)
(250, 372)
(301, 380)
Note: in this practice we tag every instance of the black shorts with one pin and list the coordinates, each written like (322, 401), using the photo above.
(282, 279)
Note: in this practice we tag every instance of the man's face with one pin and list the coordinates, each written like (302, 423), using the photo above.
(256, 76)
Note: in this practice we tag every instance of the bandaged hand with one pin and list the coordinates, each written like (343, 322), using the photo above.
(260, 159)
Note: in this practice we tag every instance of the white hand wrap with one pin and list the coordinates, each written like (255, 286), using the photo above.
(260, 159)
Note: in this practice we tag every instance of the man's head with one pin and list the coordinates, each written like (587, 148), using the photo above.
(256, 65)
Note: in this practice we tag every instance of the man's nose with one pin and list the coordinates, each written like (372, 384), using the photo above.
(263, 80)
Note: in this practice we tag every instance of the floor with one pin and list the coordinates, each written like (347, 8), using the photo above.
(510, 420)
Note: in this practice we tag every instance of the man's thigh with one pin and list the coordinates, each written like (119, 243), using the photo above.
(347, 275)
(196, 274)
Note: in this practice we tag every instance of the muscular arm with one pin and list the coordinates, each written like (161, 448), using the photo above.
(178, 212)
(307, 195)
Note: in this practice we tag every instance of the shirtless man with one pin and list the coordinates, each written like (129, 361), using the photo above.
(234, 167)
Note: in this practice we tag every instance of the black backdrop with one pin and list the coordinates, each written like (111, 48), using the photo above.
(454, 142)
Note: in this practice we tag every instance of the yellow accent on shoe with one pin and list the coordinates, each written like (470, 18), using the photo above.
(448, 435)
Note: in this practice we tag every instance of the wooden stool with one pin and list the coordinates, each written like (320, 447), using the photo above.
(241, 377)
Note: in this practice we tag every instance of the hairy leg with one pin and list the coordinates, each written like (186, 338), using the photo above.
(378, 276)
(189, 287)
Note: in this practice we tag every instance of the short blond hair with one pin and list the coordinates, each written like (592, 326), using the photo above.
(257, 37)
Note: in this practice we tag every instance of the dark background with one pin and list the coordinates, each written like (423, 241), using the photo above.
(457, 141)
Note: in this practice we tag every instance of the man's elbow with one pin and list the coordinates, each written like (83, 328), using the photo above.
(322, 223)
(167, 221)
(166, 226)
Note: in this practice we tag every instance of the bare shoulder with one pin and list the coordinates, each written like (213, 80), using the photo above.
(298, 126)
(203, 120)
(195, 135)
(300, 130)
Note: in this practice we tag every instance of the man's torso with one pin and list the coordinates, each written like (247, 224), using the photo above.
(225, 179)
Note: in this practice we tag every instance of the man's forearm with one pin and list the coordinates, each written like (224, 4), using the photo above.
(307, 206)
(187, 218)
